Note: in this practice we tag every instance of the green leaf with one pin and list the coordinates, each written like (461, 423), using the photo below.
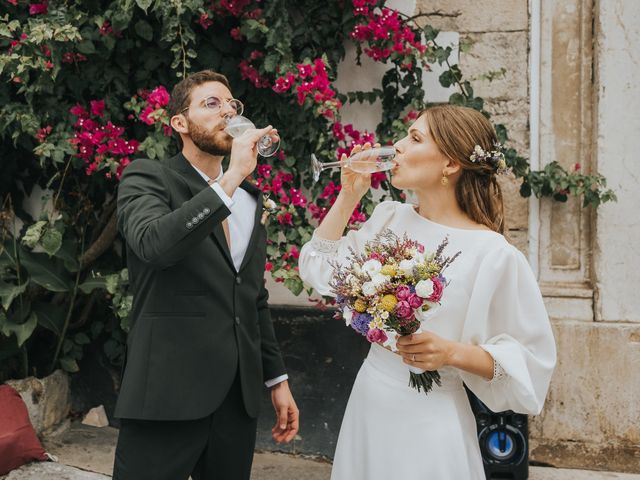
(81, 338)
(9, 292)
(69, 365)
(67, 253)
(33, 234)
(144, 30)
(46, 272)
(22, 331)
(51, 241)
(86, 46)
(295, 285)
(93, 283)
(50, 317)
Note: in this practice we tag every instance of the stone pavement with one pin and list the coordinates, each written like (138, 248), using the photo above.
(86, 453)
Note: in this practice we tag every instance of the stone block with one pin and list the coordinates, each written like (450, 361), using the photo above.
(516, 207)
(464, 16)
(513, 114)
(592, 406)
(96, 417)
(490, 52)
(53, 471)
(47, 399)
(519, 239)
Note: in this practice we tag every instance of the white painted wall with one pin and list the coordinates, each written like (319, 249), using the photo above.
(617, 248)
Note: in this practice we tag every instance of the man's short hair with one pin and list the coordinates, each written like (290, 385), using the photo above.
(181, 93)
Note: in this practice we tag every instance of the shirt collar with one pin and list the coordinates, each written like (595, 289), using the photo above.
(205, 176)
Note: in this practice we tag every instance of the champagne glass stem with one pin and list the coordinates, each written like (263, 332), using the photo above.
(326, 165)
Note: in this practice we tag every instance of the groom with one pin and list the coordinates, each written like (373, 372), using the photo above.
(201, 342)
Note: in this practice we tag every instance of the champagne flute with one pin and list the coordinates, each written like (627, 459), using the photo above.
(379, 159)
(237, 125)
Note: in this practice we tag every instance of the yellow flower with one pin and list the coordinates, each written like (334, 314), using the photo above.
(388, 302)
(389, 270)
(360, 306)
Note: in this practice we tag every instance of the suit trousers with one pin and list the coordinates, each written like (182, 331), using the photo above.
(217, 447)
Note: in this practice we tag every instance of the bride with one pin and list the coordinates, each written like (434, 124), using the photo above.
(490, 332)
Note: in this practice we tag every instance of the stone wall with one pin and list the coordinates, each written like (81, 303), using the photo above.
(587, 262)
(494, 36)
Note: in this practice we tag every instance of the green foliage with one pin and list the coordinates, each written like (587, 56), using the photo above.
(63, 284)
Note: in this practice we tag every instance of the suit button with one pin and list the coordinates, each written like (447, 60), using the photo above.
(206, 211)
(189, 225)
(238, 280)
(194, 220)
(237, 320)
(201, 215)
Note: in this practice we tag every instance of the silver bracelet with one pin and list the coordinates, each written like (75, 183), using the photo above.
(323, 246)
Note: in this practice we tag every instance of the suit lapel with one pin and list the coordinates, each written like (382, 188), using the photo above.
(255, 192)
(196, 184)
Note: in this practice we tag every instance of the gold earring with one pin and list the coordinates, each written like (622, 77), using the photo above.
(445, 180)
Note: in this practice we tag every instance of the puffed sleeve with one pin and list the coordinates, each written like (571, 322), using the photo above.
(508, 319)
(316, 254)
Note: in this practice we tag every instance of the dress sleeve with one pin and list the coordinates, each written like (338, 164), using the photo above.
(507, 318)
(314, 266)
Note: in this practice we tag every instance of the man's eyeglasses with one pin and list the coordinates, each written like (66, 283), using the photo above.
(215, 104)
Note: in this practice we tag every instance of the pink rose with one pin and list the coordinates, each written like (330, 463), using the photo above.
(438, 287)
(415, 301)
(376, 335)
(403, 292)
(404, 310)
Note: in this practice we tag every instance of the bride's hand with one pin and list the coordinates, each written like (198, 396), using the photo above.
(355, 184)
(425, 350)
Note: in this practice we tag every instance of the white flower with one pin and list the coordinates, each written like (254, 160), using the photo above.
(369, 289)
(347, 313)
(384, 315)
(372, 267)
(357, 269)
(424, 288)
(269, 204)
(378, 279)
(406, 267)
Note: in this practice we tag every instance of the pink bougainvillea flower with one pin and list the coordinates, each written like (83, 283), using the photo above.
(97, 108)
(38, 8)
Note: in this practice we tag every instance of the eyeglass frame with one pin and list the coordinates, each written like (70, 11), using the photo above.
(238, 112)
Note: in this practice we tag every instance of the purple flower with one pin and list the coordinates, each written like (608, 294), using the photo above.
(376, 335)
(415, 301)
(403, 292)
(404, 310)
(360, 323)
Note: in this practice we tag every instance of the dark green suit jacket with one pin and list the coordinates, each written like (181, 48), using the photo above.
(195, 321)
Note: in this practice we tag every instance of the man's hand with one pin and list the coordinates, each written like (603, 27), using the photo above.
(287, 414)
(244, 158)
(244, 150)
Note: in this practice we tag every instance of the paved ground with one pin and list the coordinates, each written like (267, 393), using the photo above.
(86, 453)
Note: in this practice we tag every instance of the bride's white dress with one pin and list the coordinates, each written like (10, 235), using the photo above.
(391, 431)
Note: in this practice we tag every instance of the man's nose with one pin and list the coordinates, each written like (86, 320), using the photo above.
(227, 108)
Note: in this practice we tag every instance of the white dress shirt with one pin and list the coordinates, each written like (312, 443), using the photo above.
(241, 223)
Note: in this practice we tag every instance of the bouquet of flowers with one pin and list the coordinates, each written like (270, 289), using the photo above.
(388, 289)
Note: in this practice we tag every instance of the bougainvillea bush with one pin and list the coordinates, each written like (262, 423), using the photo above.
(83, 93)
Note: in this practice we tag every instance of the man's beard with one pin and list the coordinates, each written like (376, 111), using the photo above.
(213, 143)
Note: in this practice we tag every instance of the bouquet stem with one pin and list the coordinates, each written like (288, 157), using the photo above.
(424, 380)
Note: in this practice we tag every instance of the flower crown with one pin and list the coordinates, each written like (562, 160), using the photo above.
(494, 158)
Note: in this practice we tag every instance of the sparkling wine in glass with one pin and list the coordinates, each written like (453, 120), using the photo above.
(379, 159)
(237, 125)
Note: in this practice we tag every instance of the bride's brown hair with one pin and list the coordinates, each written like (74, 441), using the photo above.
(456, 131)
